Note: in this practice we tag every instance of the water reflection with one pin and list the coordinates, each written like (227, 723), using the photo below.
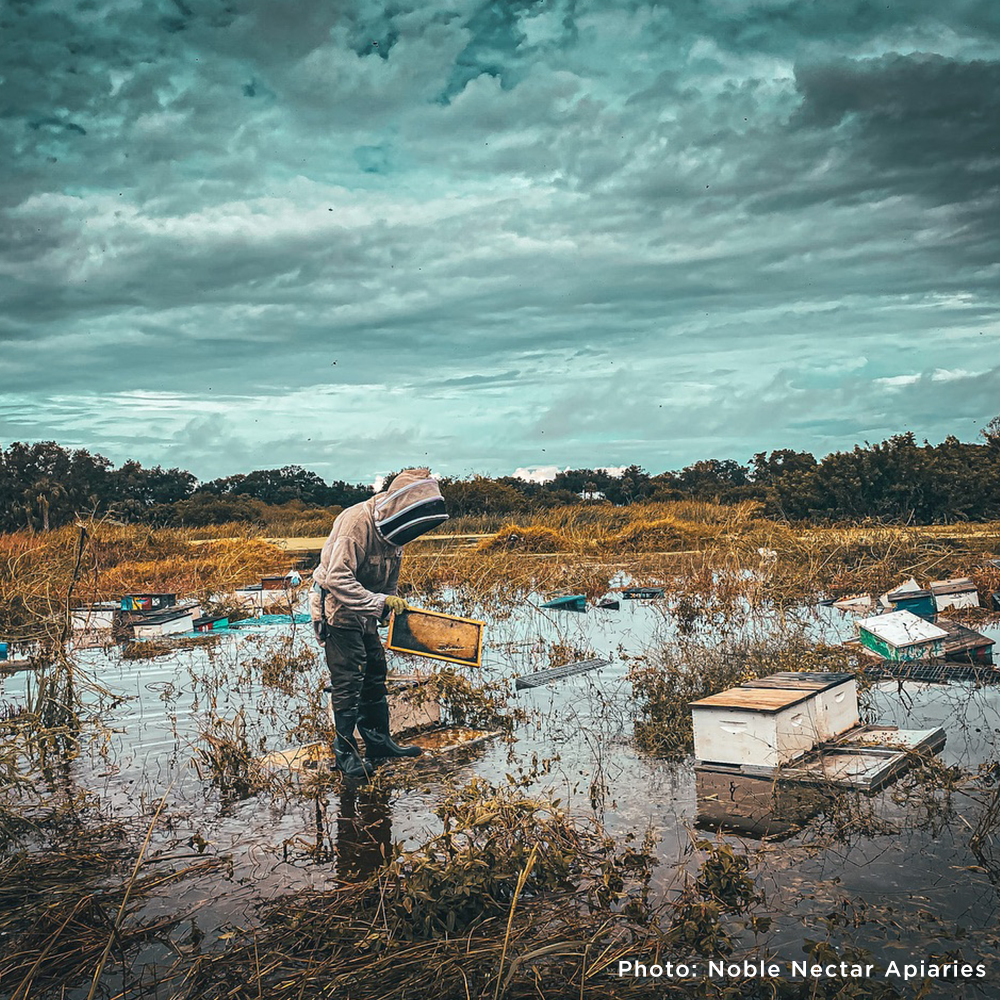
(755, 807)
(364, 831)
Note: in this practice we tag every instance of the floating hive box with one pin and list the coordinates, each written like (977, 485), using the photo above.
(902, 635)
(911, 597)
(642, 593)
(867, 757)
(964, 645)
(763, 727)
(438, 636)
(855, 602)
(568, 602)
(168, 622)
(94, 617)
(256, 598)
(209, 623)
(412, 704)
(147, 602)
(960, 592)
(835, 696)
(275, 583)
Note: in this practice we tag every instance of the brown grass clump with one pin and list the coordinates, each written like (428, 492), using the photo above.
(146, 649)
(525, 538)
(60, 908)
(664, 534)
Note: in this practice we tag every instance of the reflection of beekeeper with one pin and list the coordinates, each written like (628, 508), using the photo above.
(354, 587)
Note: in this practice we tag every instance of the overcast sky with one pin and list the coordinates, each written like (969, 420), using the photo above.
(485, 236)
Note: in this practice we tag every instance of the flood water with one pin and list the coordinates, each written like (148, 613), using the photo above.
(897, 866)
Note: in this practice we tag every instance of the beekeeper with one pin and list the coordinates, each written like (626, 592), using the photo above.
(354, 589)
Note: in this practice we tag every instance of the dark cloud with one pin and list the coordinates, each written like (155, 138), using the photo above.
(919, 124)
(504, 235)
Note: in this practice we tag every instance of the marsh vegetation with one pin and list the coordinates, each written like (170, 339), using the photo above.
(146, 852)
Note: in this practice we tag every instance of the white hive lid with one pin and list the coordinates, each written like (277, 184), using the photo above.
(902, 628)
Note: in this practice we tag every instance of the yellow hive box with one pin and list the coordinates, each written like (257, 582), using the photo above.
(438, 636)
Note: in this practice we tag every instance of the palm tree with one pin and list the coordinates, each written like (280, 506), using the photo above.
(42, 493)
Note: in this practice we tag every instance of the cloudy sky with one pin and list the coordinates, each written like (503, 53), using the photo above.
(487, 236)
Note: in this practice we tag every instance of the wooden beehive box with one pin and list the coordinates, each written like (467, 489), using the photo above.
(760, 727)
(438, 636)
(835, 694)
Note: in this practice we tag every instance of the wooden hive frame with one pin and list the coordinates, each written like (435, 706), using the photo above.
(402, 638)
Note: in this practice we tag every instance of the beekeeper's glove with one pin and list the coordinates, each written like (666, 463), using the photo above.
(396, 604)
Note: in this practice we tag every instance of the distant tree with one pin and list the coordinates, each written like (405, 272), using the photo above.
(765, 468)
(64, 483)
(42, 493)
(713, 479)
(632, 486)
(273, 486)
(135, 490)
(992, 432)
(203, 509)
(341, 494)
(480, 495)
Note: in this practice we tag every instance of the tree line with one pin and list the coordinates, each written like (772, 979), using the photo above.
(43, 486)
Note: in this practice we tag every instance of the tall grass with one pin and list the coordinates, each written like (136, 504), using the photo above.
(36, 570)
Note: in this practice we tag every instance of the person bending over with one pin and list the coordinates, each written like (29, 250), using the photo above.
(354, 588)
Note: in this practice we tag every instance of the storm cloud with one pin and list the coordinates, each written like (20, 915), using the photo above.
(488, 236)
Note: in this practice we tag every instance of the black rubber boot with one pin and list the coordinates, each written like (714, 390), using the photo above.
(373, 724)
(345, 747)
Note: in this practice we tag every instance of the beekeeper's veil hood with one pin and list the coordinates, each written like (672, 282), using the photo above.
(411, 505)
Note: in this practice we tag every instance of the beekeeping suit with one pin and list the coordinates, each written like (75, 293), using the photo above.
(354, 588)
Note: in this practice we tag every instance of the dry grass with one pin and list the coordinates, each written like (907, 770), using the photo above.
(36, 570)
(702, 552)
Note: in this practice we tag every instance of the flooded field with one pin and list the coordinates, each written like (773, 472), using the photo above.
(168, 767)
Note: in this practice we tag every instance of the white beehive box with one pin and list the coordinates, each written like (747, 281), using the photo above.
(182, 621)
(960, 592)
(835, 694)
(93, 617)
(762, 727)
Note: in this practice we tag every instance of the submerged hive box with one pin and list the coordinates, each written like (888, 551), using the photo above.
(755, 806)
(168, 622)
(960, 592)
(835, 694)
(147, 602)
(761, 727)
(438, 636)
(901, 635)
(94, 617)
(413, 704)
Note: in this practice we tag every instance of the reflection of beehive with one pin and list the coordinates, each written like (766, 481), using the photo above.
(443, 637)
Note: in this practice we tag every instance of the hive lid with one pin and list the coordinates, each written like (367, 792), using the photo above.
(906, 594)
(811, 680)
(755, 699)
(957, 585)
(902, 628)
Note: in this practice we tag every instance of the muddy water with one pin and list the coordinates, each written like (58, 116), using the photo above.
(900, 849)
